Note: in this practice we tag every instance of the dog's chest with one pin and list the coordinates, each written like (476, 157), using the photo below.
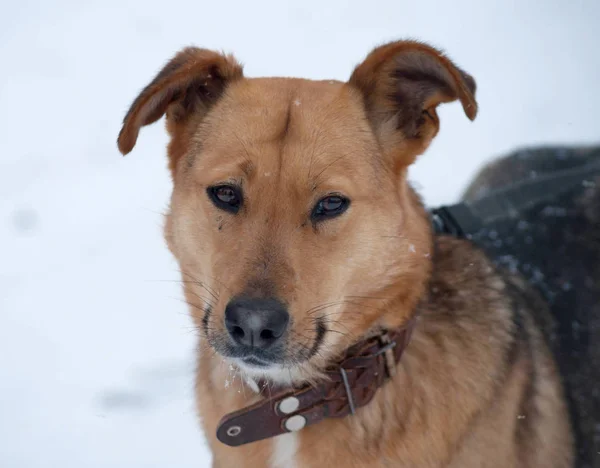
(285, 447)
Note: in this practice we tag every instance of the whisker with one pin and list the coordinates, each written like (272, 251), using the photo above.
(338, 331)
(323, 306)
(201, 284)
(205, 299)
(346, 313)
(323, 345)
(214, 278)
(196, 306)
(341, 302)
(349, 334)
(370, 297)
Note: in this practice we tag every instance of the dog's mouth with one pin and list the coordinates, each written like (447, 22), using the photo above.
(272, 369)
(288, 354)
(290, 351)
(256, 362)
(255, 357)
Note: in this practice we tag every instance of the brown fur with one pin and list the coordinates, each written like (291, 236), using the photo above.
(473, 388)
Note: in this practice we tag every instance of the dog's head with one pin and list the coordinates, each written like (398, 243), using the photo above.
(291, 217)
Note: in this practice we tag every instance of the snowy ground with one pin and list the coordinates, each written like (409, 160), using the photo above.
(95, 345)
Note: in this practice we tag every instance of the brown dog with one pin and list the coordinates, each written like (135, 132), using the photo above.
(298, 236)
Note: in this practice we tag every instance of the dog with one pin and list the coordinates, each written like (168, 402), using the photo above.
(335, 328)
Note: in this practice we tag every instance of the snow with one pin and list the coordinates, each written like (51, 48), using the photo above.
(96, 349)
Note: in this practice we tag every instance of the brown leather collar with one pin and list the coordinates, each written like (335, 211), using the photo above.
(351, 384)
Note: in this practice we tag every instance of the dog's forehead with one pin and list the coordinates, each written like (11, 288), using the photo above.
(275, 122)
(280, 95)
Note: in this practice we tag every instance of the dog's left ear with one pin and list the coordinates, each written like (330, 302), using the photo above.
(402, 83)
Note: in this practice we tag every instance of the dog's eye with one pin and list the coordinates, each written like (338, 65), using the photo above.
(226, 197)
(329, 207)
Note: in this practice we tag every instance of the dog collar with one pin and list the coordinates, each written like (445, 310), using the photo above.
(350, 384)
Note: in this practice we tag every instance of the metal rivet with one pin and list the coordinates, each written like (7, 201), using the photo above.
(234, 431)
(289, 405)
(295, 423)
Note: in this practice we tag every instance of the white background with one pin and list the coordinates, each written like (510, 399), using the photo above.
(96, 349)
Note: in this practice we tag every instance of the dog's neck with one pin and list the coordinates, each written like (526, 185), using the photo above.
(287, 378)
(349, 384)
(426, 377)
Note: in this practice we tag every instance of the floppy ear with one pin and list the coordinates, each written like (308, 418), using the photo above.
(190, 83)
(402, 83)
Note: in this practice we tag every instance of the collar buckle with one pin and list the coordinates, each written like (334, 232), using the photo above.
(348, 390)
(388, 354)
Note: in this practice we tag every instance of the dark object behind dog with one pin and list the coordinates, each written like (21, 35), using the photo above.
(555, 245)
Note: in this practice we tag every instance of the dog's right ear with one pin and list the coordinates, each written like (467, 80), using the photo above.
(190, 83)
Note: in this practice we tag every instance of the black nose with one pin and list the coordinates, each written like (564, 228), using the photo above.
(256, 322)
